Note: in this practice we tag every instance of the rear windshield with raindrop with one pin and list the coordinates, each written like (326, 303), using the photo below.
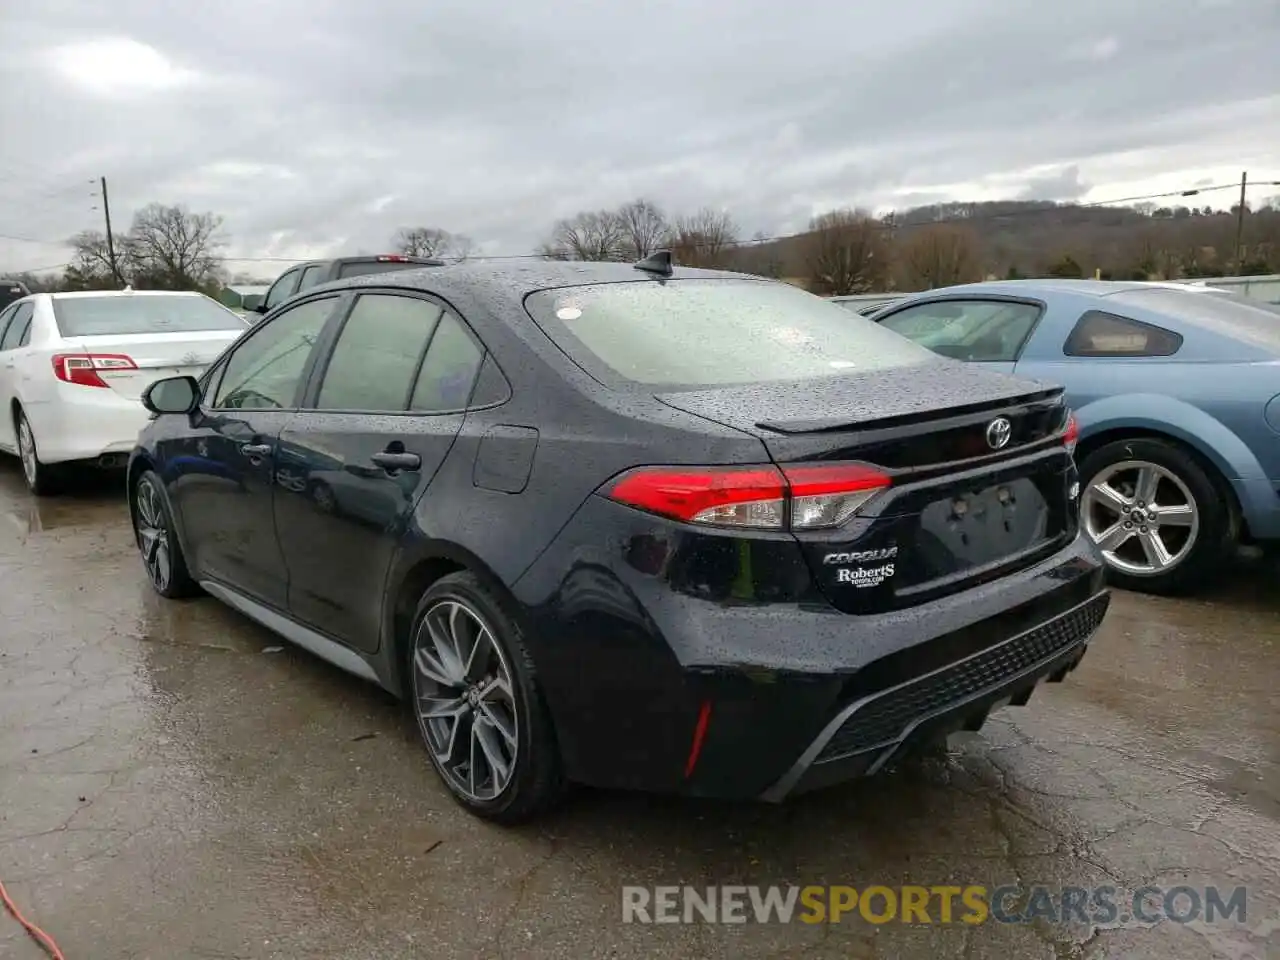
(709, 332)
(149, 313)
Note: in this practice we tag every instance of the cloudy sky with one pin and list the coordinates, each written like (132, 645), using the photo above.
(317, 127)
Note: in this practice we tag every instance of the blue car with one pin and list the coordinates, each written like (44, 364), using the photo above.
(1176, 391)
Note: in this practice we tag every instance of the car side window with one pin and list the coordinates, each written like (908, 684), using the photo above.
(311, 276)
(266, 370)
(5, 316)
(19, 327)
(1102, 334)
(991, 331)
(449, 369)
(377, 355)
(283, 288)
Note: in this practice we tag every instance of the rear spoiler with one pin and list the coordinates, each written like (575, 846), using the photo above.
(841, 424)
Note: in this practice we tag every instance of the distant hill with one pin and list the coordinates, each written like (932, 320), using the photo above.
(1040, 238)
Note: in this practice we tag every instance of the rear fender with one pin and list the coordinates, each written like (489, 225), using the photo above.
(1160, 413)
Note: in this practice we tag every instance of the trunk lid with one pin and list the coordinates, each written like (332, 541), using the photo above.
(156, 356)
(961, 509)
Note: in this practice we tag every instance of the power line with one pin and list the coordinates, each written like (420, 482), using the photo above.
(51, 266)
(759, 241)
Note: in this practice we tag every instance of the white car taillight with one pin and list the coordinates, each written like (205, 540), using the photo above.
(83, 368)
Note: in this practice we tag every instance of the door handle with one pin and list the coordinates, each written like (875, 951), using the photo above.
(393, 461)
(256, 449)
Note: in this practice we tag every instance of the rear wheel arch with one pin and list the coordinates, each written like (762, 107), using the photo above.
(411, 579)
(139, 465)
(1099, 439)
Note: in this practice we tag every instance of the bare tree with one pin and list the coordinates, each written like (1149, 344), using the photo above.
(762, 256)
(846, 251)
(704, 239)
(597, 235)
(940, 255)
(170, 248)
(90, 267)
(432, 242)
(644, 227)
(462, 248)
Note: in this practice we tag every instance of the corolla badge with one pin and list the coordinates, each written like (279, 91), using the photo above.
(999, 431)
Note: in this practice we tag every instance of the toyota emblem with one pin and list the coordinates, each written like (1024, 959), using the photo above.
(998, 432)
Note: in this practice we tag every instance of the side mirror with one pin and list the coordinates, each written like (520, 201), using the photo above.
(172, 395)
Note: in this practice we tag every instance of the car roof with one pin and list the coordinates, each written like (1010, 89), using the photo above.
(516, 278)
(1087, 288)
(76, 294)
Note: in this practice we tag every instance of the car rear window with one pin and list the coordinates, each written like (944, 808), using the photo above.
(104, 316)
(708, 332)
(1224, 313)
(364, 267)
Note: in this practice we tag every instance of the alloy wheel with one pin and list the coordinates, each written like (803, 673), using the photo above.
(465, 700)
(153, 535)
(1141, 516)
(27, 451)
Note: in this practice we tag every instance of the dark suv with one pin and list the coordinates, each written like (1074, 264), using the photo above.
(11, 290)
(315, 272)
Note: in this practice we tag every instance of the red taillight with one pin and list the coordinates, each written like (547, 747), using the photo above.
(83, 368)
(392, 258)
(733, 496)
(1071, 433)
(802, 497)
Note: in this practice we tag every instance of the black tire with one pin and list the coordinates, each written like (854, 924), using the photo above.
(42, 479)
(1217, 534)
(536, 783)
(166, 569)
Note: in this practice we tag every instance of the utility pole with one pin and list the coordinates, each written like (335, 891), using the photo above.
(111, 240)
(1244, 181)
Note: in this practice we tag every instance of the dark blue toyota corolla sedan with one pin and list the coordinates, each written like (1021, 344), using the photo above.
(631, 526)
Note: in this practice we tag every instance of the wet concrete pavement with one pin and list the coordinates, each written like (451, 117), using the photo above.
(177, 783)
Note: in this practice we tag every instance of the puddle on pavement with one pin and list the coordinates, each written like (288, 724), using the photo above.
(90, 502)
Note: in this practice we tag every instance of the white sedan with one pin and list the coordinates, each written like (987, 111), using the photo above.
(73, 367)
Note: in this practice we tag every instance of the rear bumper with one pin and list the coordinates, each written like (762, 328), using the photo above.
(643, 634)
(872, 731)
(84, 423)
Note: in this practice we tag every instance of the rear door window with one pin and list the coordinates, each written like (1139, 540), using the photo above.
(5, 317)
(19, 327)
(449, 369)
(693, 333)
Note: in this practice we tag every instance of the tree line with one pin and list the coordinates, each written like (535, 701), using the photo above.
(850, 250)
(845, 251)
